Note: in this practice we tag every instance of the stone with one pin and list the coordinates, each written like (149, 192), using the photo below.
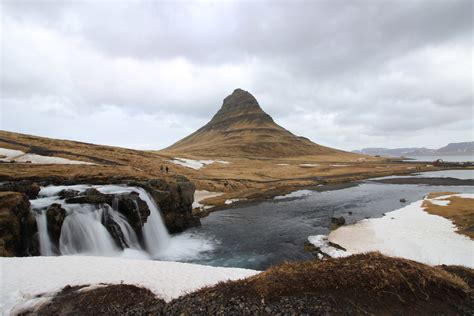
(91, 196)
(134, 209)
(68, 193)
(29, 188)
(55, 216)
(14, 210)
(338, 220)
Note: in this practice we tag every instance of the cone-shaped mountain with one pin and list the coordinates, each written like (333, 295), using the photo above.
(242, 129)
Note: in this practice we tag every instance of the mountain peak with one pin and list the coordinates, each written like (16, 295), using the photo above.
(240, 98)
(237, 108)
(242, 129)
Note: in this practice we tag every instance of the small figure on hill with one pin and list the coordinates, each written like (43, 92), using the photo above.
(161, 169)
(167, 169)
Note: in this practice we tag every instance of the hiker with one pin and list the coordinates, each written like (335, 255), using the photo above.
(161, 169)
(167, 169)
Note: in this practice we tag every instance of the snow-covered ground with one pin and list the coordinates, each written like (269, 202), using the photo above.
(322, 242)
(409, 232)
(230, 201)
(309, 164)
(8, 155)
(22, 279)
(200, 195)
(195, 164)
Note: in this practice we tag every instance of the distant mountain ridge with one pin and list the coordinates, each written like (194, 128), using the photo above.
(242, 129)
(452, 149)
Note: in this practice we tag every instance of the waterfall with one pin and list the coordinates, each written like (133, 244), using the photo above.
(101, 230)
(46, 246)
(84, 228)
(83, 232)
(155, 233)
(129, 235)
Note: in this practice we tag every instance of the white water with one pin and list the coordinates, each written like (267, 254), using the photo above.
(83, 230)
(46, 247)
(83, 233)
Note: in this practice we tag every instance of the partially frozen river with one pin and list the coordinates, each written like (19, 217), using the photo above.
(267, 233)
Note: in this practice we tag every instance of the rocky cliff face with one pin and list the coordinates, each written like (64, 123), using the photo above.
(242, 129)
(175, 200)
(15, 219)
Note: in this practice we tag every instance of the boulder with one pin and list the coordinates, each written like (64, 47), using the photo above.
(29, 188)
(14, 212)
(68, 193)
(339, 221)
(403, 200)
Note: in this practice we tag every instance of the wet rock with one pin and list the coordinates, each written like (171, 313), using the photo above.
(114, 229)
(55, 216)
(403, 201)
(29, 188)
(68, 193)
(339, 221)
(14, 210)
(175, 199)
(134, 209)
(91, 196)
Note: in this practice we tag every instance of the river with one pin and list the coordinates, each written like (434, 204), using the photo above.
(259, 235)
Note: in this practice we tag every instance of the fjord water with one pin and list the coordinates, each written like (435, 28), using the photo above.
(260, 235)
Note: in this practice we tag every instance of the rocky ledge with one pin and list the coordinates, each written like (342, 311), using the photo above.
(18, 230)
(15, 218)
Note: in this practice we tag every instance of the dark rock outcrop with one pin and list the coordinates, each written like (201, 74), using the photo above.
(175, 200)
(68, 193)
(14, 215)
(114, 229)
(29, 188)
(91, 196)
(55, 216)
(134, 209)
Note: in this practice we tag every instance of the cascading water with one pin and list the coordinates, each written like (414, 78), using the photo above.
(46, 246)
(102, 230)
(83, 232)
(155, 233)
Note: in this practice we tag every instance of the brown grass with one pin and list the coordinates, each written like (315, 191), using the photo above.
(459, 210)
(371, 281)
(243, 177)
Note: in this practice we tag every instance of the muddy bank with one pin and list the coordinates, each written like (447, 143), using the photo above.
(428, 181)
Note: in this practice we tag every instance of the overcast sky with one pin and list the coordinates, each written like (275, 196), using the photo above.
(143, 74)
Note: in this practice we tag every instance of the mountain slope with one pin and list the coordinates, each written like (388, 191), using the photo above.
(454, 149)
(242, 129)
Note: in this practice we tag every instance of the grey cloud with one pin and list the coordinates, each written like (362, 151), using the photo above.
(375, 67)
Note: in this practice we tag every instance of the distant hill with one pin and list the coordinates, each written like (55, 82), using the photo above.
(242, 129)
(452, 149)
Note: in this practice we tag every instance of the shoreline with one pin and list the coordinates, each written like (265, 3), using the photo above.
(411, 232)
(331, 184)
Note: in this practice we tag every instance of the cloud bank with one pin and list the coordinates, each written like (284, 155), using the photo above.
(143, 74)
